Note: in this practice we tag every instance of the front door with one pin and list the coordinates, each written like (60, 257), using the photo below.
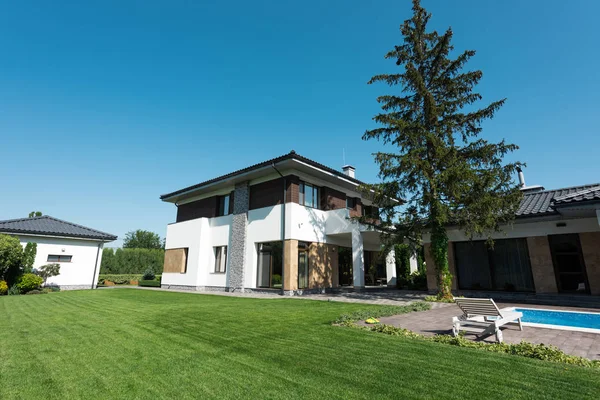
(569, 267)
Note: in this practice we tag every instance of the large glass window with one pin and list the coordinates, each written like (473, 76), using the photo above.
(220, 258)
(309, 195)
(505, 267)
(223, 205)
(302, 266)
(270, 265)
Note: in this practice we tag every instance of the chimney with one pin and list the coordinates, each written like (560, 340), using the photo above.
(525, 188)
(348, 170)
(521, 177)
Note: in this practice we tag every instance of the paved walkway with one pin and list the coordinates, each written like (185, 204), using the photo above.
(387, 297)
(439, 321)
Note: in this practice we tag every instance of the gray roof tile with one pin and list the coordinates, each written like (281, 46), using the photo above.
(545, 202)
(47, 225)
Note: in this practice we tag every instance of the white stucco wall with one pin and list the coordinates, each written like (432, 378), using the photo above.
(79, 273)
(264, 225)
(186, 234)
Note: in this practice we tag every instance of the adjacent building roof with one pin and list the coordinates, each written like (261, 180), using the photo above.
(50, 226)
(546, 202)
(292, 155)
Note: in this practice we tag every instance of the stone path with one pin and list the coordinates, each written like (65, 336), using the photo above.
(387, 297)
(439, 321)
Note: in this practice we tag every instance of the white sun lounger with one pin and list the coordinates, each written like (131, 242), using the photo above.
(483, 317)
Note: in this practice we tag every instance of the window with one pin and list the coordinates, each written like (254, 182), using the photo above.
(350, 202)
(223, 205)
(505, 267)
(220, 259)
(176, 260)
(309, 195)
(62, 258)
(370, 212)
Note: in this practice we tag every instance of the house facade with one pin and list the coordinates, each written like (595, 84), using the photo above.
(77, 249)
(553, 246)
(285, 224)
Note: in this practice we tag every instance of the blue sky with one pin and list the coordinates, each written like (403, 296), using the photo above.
(105, 105)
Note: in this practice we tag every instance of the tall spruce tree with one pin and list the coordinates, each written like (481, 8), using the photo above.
(435, 160)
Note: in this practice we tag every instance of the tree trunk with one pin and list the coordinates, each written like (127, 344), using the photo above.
(439, 252)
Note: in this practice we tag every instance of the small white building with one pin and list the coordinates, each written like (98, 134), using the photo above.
(77, 249)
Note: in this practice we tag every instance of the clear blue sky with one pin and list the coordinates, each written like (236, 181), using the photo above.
(105, 105)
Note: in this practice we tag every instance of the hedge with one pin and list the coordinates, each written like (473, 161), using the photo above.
(149, 283)
(131, 261)
(122, 279)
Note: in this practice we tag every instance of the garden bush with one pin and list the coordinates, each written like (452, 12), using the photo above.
(383, 311)
(35, 291)
(122, 279)
(11, 258)
(276, 280)
(14, 290)
(3, 288)
(149, 283)
(414, 281)
(149, 275)
(131, 261)
(29, 282)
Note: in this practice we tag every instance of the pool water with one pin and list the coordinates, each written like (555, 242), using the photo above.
(562, 318)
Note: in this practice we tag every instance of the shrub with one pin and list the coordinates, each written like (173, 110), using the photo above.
(35, 291)
(149, 283)
(48, 271)
(29, 253)
(276, 280)
(414, 281)
(3, 288)
(383, 311)
(121, 279)
(11, 257)
(29, 282)
(14, 290)
(149, 275)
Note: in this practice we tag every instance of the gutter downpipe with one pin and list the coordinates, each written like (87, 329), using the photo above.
(282, 223)
(94, 281)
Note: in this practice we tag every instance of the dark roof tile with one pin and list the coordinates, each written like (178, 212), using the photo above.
(545, 202)
(47, 225)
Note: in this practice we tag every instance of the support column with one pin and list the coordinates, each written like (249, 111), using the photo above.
(542, 267)
(413, 263)
(237, 238)
(590, 248)
(358, 259)
(290, 266)
(390, 268)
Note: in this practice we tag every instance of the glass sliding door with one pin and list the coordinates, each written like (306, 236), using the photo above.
(264, 265)
(569, 267)
(302, 267)
(270, 265)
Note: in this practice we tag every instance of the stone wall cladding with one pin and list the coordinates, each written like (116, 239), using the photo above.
(590, 248)
(74, 287)
(542, 267)
(431, 274)
(237, 252)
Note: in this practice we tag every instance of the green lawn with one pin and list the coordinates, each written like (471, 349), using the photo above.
(128, 343)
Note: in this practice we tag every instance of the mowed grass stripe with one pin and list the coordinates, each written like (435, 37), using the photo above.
(127, 343)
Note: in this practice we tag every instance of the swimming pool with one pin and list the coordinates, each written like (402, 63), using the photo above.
(567, 320)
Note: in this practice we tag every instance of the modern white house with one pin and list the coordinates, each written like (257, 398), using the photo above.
(284, 224)
(77, 249)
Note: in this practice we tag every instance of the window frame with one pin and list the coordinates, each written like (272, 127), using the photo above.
(350, 203)
(220, 253)
(221, 202)
(59, 258)
(315, 191)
